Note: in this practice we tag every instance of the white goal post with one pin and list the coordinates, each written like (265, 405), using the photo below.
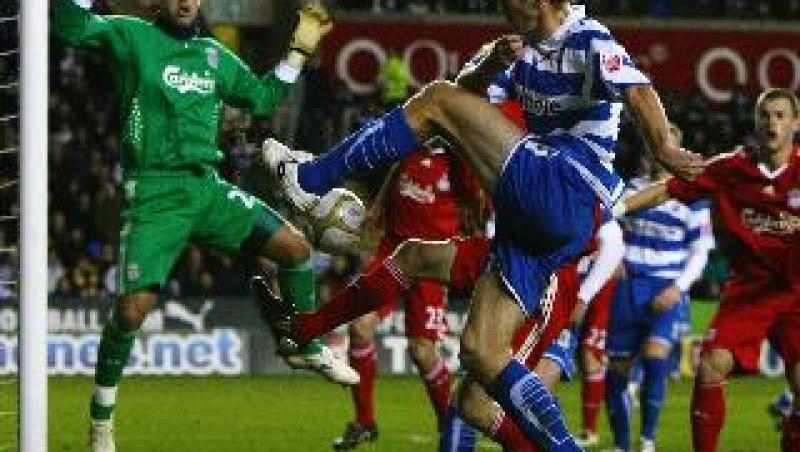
(33, 30)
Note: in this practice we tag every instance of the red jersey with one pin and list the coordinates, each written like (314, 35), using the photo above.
(423, 198)
(757, 215)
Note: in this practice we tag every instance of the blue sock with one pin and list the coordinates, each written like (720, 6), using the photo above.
(654, 388)
(675, 358)
(385, 140)
(457, 435)
(523, 396)
(619, 408)
(635, 374)
(783, 402)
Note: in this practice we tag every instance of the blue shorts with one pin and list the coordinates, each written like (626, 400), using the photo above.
(632, 320)
(562, 351)
(545, 219)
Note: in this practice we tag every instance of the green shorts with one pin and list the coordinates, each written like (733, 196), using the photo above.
(165, 211)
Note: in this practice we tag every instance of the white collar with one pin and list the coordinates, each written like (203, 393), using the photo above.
(770, 174)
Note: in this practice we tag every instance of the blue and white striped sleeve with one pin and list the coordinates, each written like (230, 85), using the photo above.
(700, 234)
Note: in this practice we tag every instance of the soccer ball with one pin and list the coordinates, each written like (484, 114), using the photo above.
(336, 221)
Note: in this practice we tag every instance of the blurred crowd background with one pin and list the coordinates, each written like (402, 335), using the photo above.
(84, 172)
(731, 9)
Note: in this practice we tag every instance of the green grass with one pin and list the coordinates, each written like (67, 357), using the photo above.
(304, 414)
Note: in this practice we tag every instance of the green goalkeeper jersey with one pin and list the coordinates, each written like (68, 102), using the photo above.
(171, 90)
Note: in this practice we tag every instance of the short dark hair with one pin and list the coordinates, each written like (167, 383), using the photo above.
(779, 93)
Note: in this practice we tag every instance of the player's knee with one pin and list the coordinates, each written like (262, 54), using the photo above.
(714, 366)
(469, 351)
(424, 108)
(423, 352)
(131, 310)
(592, 364)
(362, 331)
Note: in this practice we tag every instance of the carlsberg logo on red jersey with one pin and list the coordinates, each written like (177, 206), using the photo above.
(186, 83)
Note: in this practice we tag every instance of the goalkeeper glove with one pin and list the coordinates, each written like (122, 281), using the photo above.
(314, 23)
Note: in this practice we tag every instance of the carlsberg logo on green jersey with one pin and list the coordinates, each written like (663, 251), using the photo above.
(185, 83)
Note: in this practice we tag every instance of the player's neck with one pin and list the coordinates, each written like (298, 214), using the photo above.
(775, 159)
(549, 22)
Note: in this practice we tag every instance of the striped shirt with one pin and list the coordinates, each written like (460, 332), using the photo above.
(569, 86)
(658, 240)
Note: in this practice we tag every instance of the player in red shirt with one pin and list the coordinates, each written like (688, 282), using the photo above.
(756, 198)
(421, 198)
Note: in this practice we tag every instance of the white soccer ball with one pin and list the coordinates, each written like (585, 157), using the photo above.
(337, 220)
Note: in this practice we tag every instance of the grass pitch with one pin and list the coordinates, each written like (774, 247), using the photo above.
(305, 414)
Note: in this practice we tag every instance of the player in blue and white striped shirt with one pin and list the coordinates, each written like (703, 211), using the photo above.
(666, 249)
(572, 79)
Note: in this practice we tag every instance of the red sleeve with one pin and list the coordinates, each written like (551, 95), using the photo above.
(468, 184)
(690, 191)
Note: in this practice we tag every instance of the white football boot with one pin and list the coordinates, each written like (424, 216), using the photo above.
(327, 364)
(282, 164)
(587, 439)
(101, 436)
(648, 445)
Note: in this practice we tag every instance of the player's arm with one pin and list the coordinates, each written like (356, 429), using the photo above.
(610, 250)
(73, 24)
(491, 59)
(646, 198)
(262, 95)
(645, 106)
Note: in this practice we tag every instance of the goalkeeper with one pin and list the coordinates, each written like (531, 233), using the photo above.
(171, 84)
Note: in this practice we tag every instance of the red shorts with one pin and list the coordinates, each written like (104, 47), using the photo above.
(525, 346)
(595, 324)
(751, 312)
(424, 303)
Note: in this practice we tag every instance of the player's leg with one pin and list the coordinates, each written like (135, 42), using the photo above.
(241, 224)
(734, 339)
(155, 233)
(481, 132)
(493, 320)
(781, 407)
(655, 369)
(594, 363)
(655, 366)
(363, 356)
(708, 399)
(624, 342)
(790, 439)
(455, 262)
(786, 337)
(425, 327)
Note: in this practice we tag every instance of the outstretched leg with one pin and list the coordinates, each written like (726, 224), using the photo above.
(479, 130)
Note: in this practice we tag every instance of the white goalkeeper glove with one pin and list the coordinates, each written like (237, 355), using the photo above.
(314, 23)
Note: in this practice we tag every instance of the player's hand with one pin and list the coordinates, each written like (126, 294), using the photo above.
(682, 163)
(313, 24)
(503, 52)
(668, 298)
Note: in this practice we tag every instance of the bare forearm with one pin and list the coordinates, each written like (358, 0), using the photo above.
(649, 197)
(645, 105)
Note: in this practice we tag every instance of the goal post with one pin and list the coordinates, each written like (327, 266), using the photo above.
(33, 29)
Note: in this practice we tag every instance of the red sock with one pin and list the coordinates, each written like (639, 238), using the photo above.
(708, 415)
(506, 432)
(790, 439)
(363, 358)
(363, 295)
(437, 382)
(592, 394)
